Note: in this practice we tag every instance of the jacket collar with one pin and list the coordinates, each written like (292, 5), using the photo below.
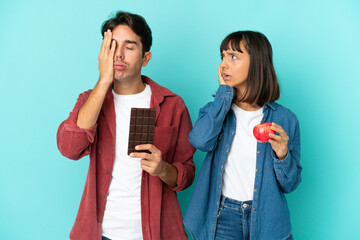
(158, 94)
(272, 105)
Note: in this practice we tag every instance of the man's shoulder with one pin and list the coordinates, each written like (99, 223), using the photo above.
(85, 93)
(156, 88)
(162, 92)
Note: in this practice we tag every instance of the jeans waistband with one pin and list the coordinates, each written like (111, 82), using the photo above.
(235, 204)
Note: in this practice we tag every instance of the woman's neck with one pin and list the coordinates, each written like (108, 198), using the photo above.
(247, 106)
(244, 105)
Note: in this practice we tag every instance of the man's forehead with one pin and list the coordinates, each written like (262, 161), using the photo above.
(125, 33)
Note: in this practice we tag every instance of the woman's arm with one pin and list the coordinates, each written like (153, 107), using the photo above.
(287, 158)
(210, 121)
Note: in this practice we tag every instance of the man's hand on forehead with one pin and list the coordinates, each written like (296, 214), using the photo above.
(106, 58)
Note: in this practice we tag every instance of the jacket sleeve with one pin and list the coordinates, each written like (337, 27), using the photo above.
(210, 121)
(74, 142)
(183, 155)
(288, 171)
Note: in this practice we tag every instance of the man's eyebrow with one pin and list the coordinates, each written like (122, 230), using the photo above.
(131, 42)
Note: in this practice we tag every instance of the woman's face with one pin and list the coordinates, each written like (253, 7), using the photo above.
(234, 67)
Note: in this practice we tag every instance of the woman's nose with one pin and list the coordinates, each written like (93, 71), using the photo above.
(224, 64)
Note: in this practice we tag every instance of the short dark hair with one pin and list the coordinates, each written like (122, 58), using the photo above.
(262, 85)
(136, 22)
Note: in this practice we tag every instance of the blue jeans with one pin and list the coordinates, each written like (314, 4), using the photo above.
(233, 221)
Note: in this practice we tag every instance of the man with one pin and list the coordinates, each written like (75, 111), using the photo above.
(128, 197)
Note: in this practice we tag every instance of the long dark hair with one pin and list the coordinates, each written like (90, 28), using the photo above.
(262, 84)
(136, 22)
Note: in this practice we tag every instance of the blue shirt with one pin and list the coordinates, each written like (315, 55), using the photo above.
(213, 133)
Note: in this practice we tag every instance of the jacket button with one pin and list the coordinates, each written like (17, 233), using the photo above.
(222, 166)
(257, 170)
(227, 150)
(99, 220)
(219, 185)
(232, 133)
(229, 92)
(264, 119)
(103, 196)
(107, 171)
(112, 148)
(255, 190)
(258, 152)
(254, 209)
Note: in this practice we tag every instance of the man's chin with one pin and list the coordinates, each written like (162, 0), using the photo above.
(120, 76)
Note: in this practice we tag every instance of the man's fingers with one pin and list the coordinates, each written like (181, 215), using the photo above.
(149, 147)
(103, 44)
(145, 162)
(140, 155)
(108, 40)
(147, 169)
(112, 47)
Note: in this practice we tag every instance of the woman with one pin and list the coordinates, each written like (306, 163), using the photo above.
(240, 190)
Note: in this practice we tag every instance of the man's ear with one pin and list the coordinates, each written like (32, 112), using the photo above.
(147, 57)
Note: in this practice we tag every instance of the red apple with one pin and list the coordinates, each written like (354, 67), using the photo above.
(261, 132)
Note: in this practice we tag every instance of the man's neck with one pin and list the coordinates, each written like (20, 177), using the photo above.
(129, 87)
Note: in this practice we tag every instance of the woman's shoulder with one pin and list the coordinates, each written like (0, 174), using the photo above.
(281, 111)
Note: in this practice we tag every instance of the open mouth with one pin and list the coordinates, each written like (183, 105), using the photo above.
(226, 76)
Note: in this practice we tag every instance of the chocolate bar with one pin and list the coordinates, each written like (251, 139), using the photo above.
(142, 128)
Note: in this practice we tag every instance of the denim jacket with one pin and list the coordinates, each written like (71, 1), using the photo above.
(213, 133)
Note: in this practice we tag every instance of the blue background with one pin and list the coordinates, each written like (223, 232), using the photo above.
(49, 54)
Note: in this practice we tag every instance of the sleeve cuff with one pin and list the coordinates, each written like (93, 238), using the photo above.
(225, 91)
(181, 175)
(71, 126)
(281, 163)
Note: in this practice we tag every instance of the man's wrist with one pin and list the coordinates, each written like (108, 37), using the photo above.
(105, 81)
(163, 169)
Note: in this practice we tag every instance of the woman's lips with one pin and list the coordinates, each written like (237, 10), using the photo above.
(226, 76)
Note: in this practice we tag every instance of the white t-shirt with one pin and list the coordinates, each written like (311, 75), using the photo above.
(122, 217)
(240, 166)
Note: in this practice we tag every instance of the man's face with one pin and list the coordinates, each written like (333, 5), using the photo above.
(128, 58)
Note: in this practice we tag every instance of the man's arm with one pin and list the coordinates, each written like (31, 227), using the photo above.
(75, 134)
(89, 112)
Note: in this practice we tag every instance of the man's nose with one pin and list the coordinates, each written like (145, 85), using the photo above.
(119, 52)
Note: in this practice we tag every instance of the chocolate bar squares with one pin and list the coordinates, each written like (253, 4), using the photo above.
(142, 127)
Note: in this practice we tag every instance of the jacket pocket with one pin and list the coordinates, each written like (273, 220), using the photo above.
(165, 140)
